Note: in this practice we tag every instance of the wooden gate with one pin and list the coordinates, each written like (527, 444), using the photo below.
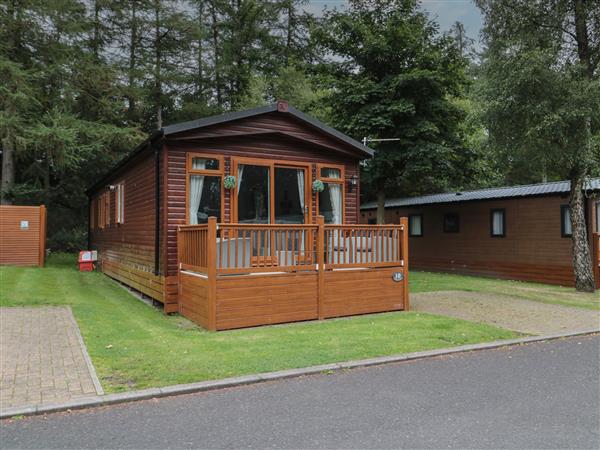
(22, 235)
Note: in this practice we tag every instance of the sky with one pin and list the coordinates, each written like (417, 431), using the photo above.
(445, 13)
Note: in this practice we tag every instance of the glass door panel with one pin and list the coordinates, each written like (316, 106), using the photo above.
(253, 194)
(289, 195)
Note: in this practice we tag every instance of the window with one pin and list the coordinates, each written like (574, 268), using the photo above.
(565, 221)
(331, 199)
(373, 221)
(120, 203)
(498, 223)
(415, 225)
(451, 223)
(204, 186)
(104, 209)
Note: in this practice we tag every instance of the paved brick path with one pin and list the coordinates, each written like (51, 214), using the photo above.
(43, 358)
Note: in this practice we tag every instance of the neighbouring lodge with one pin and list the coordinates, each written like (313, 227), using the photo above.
(245, 219)
(520, 232)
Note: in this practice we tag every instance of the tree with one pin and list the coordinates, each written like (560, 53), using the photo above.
(541, 88)
(394, 76)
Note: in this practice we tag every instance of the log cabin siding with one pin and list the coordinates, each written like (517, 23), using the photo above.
(533, 248)
(126, 251)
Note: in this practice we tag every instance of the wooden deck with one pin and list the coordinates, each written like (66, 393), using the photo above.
(239, 275)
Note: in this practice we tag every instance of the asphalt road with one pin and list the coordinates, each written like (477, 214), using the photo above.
(544, 395)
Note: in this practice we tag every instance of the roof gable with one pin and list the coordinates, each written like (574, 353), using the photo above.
(277, 118)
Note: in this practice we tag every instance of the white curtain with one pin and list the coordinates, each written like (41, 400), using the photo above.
(331, 173)
(239, 175)
(335, 195)
(567, 226)
(300, 174)
(498, 223)
(196, 186)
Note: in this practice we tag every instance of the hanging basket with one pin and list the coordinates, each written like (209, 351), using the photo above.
(229, 182)
(318, 186)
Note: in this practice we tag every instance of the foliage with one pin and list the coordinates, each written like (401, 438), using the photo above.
(541, 91)
(229, 182)
(395, 76)
(151, 349)
(318, 186)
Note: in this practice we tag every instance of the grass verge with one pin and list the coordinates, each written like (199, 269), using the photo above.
(134, 346)
(544, 293)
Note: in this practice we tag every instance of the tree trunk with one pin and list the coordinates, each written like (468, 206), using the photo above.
(582, 260)
(217, 68)
(8, 168)
(132, 62)
(157, 66)
(380, 207)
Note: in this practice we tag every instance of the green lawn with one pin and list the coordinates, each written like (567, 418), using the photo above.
(427, 282)
(134, 346)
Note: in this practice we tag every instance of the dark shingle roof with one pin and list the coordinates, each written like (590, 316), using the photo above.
(555, 187)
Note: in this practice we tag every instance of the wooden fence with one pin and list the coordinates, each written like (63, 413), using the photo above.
(22, 235)
(596, 257)
(275, 269)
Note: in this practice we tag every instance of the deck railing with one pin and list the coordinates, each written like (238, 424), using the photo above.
(253, 248)
(192, 248)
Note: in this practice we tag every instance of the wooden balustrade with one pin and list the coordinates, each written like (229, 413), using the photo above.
(192, 247)
(251, 248)
(256, 248)
(372, 246)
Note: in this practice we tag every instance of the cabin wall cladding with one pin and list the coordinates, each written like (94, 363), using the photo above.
(532, 250)
(126, 250)
(22, 235)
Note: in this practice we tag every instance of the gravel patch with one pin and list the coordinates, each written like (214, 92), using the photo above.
(507, 312)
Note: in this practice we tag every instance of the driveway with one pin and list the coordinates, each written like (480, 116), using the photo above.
(43, 358)
(542, 395)
(504, 311)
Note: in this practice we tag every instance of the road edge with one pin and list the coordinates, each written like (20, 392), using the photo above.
(203, 386)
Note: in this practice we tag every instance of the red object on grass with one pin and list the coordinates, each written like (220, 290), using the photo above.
(86, 260)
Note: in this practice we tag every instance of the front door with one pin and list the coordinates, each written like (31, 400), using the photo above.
(271, 193)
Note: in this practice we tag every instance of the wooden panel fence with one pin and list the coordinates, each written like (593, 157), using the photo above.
(22, 235)
(596, 257)
(254, 274)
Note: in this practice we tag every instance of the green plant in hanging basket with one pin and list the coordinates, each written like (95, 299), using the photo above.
(318, 186)
(229, 182)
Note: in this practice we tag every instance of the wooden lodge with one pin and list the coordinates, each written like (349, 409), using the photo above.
(519, 232)
(220, 219)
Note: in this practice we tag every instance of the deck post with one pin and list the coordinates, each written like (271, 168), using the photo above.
(42, 258)
(320, 266)
(212, 273)
(404, 244)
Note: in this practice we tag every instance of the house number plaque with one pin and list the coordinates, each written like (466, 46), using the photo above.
(398, 276)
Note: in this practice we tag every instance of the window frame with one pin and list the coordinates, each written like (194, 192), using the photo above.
(446, 230)
(189, 171)
(410, 231)
(498, 210)
(563, 209)
(341, 180)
